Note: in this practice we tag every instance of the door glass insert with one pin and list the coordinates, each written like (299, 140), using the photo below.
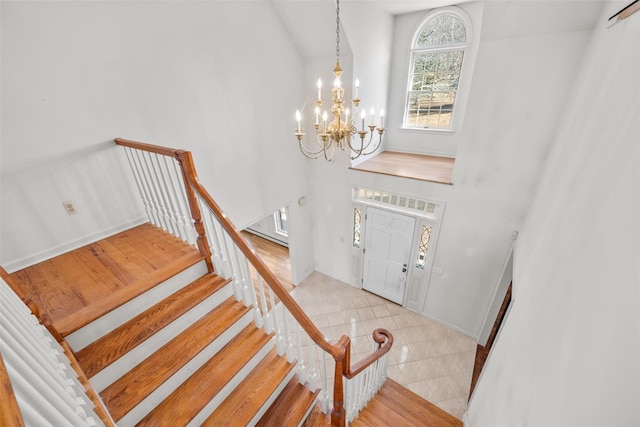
(356, 227)
(423, 247)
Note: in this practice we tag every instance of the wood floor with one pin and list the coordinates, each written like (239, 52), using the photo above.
(275, 256)
(396, 406)
(408, 165)
(79, 286)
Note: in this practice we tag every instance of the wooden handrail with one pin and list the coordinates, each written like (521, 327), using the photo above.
(384, 340)
(33, 302)
(340, 350)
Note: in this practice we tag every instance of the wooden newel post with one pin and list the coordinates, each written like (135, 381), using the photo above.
(188, 173)
(338, 414)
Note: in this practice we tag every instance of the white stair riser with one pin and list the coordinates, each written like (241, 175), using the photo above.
(124, 364)
(105, 324)
(231, 385)
(158, 395)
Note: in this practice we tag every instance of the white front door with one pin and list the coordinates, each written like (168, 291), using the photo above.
(388, 241)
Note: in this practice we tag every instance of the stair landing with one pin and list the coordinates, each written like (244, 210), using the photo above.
(80, 286)
(394, 405)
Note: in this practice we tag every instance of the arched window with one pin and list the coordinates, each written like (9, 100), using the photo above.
(437, 52)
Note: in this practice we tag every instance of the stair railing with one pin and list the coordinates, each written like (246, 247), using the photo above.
(39, 384)
(230, 256)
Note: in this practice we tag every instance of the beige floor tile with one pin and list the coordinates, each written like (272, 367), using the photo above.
(366, 313)
(381, 311)
(394, 308)
(428, 358)
(411, 372)
(360, 301)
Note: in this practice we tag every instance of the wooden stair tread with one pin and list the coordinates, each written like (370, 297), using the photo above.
(129, 390)
(398, 406)
(96, 309)
(110, 347)
(181, 406)
(241, 406)
(317, 418)
(291, 405)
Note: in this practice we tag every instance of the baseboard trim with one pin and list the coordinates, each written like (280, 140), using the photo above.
(19, 264)
(267, 237)
(450, 326)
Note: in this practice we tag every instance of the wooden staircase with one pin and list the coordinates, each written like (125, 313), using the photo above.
(219, 370)
(173, 343)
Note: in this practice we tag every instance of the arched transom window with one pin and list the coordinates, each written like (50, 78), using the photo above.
(437, 52)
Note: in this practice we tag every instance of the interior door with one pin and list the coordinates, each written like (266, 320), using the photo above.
(388, 242)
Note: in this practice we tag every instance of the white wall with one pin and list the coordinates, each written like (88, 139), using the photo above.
(217, 78)
(510, 120)
(568, 351)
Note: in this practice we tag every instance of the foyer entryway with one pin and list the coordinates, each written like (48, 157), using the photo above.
(386, 255)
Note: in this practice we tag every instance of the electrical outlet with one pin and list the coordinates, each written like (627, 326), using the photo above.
(70, 207)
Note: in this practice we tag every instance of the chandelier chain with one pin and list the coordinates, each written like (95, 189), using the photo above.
(338, 31)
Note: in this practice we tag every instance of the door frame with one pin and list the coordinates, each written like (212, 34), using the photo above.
(432, 218)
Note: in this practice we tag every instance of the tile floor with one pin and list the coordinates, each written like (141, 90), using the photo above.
(427, 357)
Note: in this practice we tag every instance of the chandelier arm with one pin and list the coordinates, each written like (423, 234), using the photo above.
(373, 150)
(328, 158)
(362, 145)
(309, 153)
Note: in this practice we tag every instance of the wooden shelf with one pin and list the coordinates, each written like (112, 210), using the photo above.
(409, 165)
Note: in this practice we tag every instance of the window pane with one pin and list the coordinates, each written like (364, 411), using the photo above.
(442, 30)
(282, 223)
(434, 86)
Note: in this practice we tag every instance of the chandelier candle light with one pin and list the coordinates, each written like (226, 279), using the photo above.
(343, 128)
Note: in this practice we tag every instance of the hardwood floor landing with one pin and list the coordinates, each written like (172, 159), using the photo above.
(79, 286)
(394, 405)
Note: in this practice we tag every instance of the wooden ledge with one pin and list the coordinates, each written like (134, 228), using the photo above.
(408, 165)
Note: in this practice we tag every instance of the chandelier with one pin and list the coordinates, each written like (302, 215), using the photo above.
(343, 131)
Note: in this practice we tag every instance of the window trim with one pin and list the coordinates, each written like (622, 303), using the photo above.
(469, 55)
(277, 217)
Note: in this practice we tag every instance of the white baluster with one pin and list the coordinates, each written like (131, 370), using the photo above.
(224, 253)
(136, 176)
(208, 220)
(313, 373)
(268, 319)
(144, 181)
(174, 196)
(163, 194)
(185, 209)
(153, 190)
(280, 343)
(35, 372)
(325, 388)
(302, 363)
(246, 272)
(289, 344)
